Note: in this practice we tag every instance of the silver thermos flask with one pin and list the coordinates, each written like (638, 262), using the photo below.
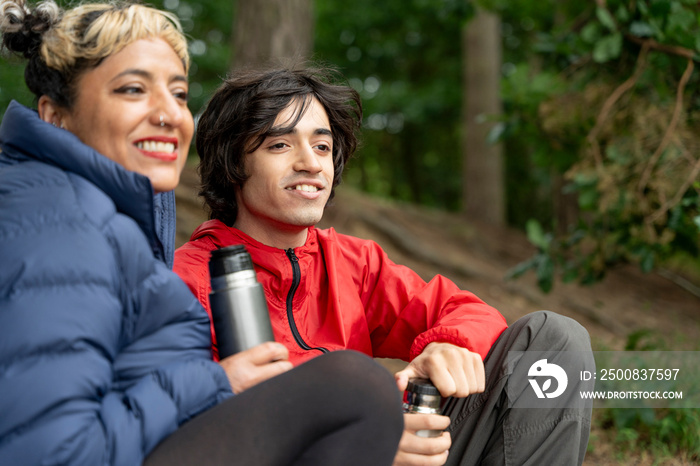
(238, 305)
(422, 397)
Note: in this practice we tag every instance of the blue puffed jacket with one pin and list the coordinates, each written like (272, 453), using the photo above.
(103, 349)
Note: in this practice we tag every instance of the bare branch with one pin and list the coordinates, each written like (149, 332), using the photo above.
(670, 49)
(644, 180)
(610, 102)
(679, 194)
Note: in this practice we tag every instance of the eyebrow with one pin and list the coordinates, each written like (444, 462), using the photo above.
(147, 75)
(279, 131)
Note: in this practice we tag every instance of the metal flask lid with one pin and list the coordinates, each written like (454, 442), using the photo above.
(423, 387)
(230, 259)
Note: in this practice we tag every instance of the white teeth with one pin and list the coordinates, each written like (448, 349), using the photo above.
(156, 146)
(306, 187)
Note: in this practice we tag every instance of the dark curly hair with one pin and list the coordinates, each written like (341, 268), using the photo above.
(241, 114)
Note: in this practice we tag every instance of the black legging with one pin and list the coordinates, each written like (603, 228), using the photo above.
(341, 408)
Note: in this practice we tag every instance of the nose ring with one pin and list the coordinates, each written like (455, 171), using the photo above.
(162, 121)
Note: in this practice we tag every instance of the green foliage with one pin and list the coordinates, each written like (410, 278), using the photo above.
(12, 85)
(662, 433)
(542, 262)
(618, 124)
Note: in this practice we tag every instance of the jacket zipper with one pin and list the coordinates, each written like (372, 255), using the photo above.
(296, 278)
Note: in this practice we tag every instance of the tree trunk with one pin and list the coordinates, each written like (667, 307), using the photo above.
(483, 177)
(564, 205)
(272, 30)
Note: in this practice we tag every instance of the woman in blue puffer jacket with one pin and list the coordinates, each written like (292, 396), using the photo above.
(104, 352)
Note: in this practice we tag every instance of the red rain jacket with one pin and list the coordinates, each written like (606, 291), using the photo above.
(341, 292)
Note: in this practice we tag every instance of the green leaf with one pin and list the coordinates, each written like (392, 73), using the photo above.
(496, 133)
(607, 48)
(569, 275)
(643, 8)
(615, 154)
(606, 18)
(590, 33)
(521, 268)
(641, 29)
(622, 14)
(587, 199)
(545, 273)
(680, 18)
(585, 179)
(536, 234)
(696, 221)
(634, 338)
(613, 46)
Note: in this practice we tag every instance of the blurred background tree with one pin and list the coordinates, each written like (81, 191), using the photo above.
(575, 121)
(265, 30)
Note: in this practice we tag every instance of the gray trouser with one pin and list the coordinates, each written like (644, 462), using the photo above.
(487, 430)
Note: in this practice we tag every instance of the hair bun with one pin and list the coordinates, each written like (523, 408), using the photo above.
(12, 15)
(22, 29)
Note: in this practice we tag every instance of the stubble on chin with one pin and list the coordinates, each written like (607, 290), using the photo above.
(307, 217)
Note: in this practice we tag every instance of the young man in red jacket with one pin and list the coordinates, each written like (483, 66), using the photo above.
(273, 146)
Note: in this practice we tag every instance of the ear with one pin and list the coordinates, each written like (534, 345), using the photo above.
(50, 112)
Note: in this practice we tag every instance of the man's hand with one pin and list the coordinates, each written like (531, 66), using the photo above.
(414, 450)
(250, 367)
(455, 371)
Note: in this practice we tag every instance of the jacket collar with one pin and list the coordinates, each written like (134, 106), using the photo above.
(24, 136)
(223, 235)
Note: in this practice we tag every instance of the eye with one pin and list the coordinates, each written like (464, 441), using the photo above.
(324, 147)
(181, 94)
(129, 89)
(278, 146)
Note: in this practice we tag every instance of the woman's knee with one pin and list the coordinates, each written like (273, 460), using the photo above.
(357, 371)
(355, 376)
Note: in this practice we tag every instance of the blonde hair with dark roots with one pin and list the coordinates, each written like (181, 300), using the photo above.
(61, 45)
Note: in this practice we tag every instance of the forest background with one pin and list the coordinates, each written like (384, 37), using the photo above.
(577, 122)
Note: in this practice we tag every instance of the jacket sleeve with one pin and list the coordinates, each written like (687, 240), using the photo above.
(167, 351)
(405, 314)
(192, 266)
(104, 351)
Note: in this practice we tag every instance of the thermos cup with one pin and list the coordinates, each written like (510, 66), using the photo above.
(238, 305)
(422, 397)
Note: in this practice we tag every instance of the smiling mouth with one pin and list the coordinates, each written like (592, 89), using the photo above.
(303, 187)
(156, 146)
